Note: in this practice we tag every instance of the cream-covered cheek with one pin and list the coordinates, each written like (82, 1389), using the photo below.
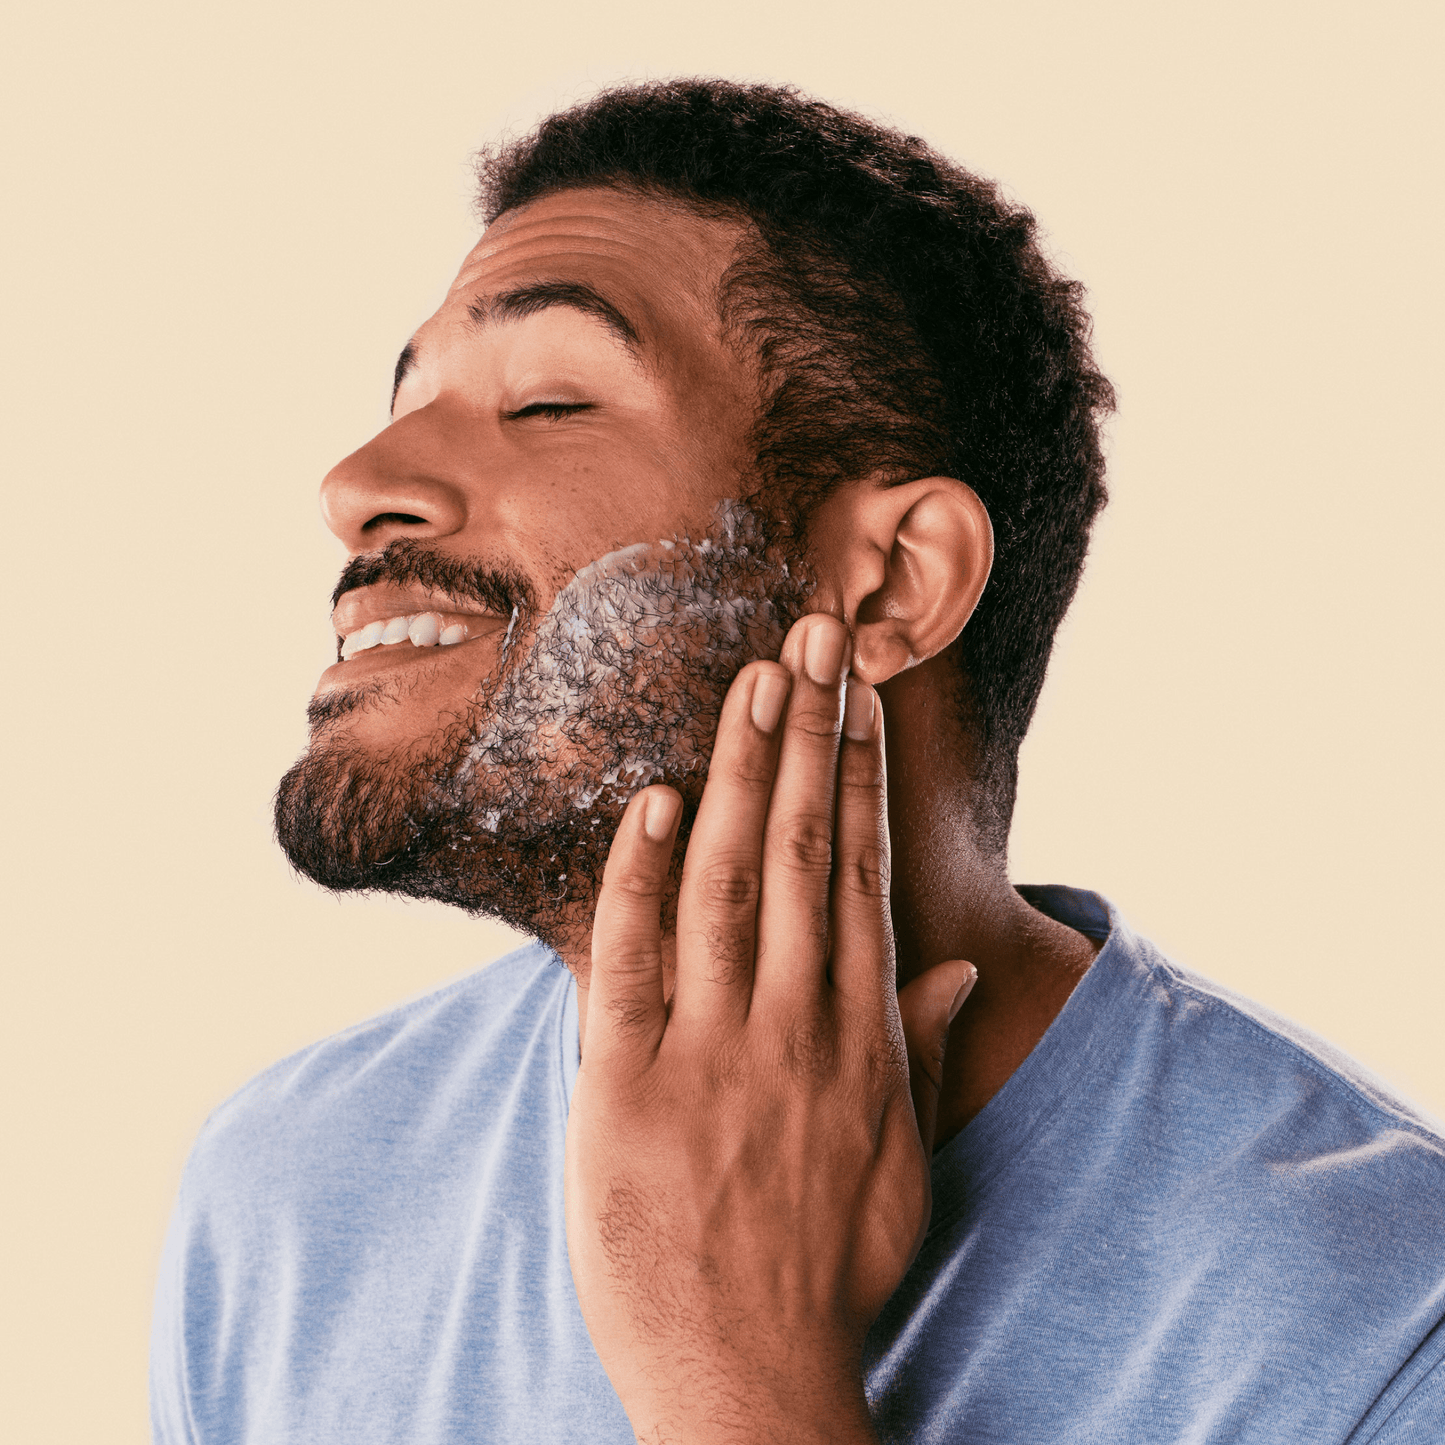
(628, 666)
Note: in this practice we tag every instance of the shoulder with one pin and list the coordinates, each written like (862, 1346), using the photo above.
(383, 1075)
(1163, 1029)
(1262, 1061)
(1226, 1198)
(1193, 1092)
(1299, 1147)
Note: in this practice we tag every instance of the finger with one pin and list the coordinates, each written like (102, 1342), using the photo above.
(792, 957)
(626, 1010)
(862, 963)
(717, 910)
(927, 1006)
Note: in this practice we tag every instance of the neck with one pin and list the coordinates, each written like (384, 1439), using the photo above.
(950, 899)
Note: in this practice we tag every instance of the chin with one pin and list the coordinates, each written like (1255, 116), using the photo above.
(355, 824)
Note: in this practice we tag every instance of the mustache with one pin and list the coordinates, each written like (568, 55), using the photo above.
(408, 562)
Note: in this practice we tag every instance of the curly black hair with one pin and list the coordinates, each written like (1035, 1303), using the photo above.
(907, 324)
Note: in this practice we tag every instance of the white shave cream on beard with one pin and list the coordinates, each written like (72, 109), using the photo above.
(624, 675)
(617, 685)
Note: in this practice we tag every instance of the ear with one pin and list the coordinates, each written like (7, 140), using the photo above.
(904, 565)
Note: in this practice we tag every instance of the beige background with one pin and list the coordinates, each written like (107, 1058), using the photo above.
(222, 222)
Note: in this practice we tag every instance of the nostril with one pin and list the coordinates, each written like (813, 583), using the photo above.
(380, 491)
(383, 519)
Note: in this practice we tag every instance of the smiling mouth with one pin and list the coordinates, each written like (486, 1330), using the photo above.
(381, 616)
(421, 629)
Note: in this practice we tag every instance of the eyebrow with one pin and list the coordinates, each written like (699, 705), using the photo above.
(523, 301)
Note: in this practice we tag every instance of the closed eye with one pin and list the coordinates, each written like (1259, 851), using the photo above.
(552, 410)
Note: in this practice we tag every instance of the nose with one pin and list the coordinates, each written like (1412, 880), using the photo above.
(407, 481)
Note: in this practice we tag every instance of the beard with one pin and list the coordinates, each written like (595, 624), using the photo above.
(509, 809)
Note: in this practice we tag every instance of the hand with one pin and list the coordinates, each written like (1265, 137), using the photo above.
(748, 1162)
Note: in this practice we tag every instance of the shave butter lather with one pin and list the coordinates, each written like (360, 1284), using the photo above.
(617, 685)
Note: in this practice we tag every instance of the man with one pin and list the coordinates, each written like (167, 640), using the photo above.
(748, 434)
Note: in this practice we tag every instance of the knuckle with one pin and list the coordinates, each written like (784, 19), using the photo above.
(868, 872)
(724, 1067)
(862, 771)
(882, 1063)
(731, 886)
(877, 1070)
(810, 1050)
(752, 770)
(812, 721)
(632, 883)
(806, 843)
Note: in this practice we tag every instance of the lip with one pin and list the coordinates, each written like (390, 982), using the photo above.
(383, 600)
(396, 657)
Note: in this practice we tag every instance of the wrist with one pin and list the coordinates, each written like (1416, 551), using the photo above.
(816, 1411)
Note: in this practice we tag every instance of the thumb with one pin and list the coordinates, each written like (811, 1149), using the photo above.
(927, 1006)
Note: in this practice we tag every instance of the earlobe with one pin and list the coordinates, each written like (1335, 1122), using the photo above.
(921, 554)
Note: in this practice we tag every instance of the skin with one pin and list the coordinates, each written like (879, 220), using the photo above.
(734, 1068)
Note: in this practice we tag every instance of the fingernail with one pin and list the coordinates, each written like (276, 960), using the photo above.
(858, 711)
(964, 989)
(662, 808)
(770, 692)
(823, 655)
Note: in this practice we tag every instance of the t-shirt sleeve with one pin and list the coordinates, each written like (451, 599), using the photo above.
(1412, 1410)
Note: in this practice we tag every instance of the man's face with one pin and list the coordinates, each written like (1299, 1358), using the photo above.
(555, 506)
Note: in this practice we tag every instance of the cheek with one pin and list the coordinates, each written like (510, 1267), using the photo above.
(635, 611)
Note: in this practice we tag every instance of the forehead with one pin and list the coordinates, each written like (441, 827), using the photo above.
(659, 263)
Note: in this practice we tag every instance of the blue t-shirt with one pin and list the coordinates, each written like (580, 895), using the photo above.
(1182, 1219)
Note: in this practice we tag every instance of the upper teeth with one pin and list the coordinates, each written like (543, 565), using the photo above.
(422, 629)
